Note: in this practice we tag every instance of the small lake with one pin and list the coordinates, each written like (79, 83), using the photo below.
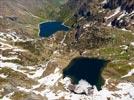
(89, 69)
(49, 28)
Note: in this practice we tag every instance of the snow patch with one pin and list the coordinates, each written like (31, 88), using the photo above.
(86, 26)
(82, 86)
(3, 76)
(130, 73)
(51, 79)
(117, 10)
(132, 43)
(38, 73)
(122, 15)
(7, 97)
(124, 47)
(9, 58)
(9, 65)
(104, 2)
(123, 29)
(109, 24)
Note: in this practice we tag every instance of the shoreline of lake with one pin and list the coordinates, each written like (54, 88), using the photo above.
(49, 21)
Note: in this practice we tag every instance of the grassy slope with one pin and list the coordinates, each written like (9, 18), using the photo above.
(119, 58)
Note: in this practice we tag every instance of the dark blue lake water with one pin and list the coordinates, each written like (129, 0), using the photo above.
(89, 69)
(49, 28)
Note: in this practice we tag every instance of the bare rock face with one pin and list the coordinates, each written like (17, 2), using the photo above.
(127, 5)
(123, 13)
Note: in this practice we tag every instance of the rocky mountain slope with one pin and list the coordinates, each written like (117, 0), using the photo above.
(24, 16)
(123, 13)
(32, 68)
(38, 75)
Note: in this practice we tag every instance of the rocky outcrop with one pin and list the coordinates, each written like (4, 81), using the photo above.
(120, 13)
(127, 5)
